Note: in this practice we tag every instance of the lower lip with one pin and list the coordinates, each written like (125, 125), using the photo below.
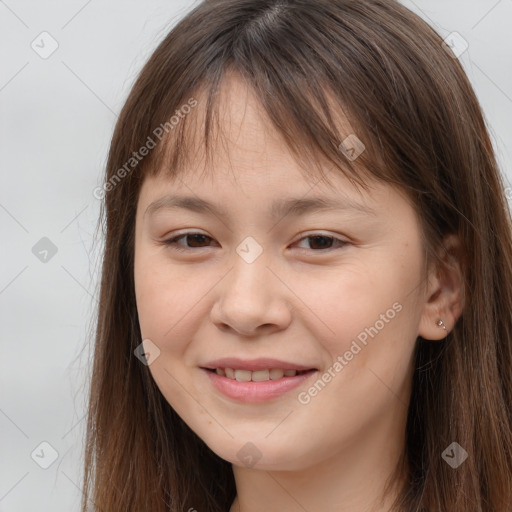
(256, 391)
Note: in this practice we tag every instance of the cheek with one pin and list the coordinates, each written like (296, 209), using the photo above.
(368, 329)
(370, 311)
(158, 303)
(165, 301)
(169, 299)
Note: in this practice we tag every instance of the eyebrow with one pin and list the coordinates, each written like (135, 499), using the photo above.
(279, 208)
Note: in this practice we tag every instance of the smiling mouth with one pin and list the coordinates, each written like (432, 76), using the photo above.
(258, 375)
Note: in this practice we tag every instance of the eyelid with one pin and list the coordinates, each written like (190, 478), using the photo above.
(310, 234)
(171, 242)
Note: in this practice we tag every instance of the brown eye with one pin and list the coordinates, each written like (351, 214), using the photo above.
(318, 242)
(323, 242)
(196, 238)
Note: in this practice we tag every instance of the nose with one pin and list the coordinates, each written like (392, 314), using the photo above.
(252, 300)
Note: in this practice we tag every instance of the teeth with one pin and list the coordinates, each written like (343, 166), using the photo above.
(256, 376)
(260, 375)
(276, 373)
(243, 375)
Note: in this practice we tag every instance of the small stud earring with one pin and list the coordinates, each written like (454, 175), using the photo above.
(440, 323)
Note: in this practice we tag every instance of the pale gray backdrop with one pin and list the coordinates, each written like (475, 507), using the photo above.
(65, 70)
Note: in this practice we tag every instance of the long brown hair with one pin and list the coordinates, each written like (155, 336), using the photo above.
(410, 102)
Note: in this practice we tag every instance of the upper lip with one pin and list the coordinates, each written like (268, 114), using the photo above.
(262, 363)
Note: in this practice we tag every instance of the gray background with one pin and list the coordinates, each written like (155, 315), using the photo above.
(56, 119)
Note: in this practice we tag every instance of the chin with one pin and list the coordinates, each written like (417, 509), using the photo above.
(263, 454)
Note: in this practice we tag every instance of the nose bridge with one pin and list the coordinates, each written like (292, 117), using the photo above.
(250, 295)
(250, 278)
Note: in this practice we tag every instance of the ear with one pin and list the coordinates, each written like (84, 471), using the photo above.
(444, 293)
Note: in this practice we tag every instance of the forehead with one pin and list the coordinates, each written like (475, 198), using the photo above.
(236, 122)
(278, 191)
(244, 145)
(252, 169)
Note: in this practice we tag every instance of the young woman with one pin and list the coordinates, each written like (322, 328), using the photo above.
(307, 278)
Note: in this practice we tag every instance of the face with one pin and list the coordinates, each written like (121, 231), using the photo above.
(335, 291)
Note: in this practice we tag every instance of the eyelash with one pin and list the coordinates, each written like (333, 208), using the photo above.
(172, 242)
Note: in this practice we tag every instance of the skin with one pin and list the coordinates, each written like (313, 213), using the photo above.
(296, 302)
